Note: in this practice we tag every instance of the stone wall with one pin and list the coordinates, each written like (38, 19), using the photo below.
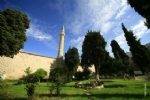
(14, 68)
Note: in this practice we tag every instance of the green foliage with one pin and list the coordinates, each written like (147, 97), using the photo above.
(30, 81)
(5, 92)
(141, 54)
(34, 77)
(31, 78)
(116, 48)
(30, 89)
(72, 61)
(111, 67)
(93, 50)
(40, 73)
(142, 7)
(20, 82)
(58, 79)
(85, 74)
(13, 25)
(28, 71)
(79, 75)
(121, 56)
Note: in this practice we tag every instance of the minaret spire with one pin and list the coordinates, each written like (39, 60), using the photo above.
(61, 43)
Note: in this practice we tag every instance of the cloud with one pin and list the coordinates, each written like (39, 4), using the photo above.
(122, 10)
(106, 27)
(109, 49)
(78, 43)
(122, 42)
(140, 29)
(94, 15)
(120, 39)
(42, 32)
(35, 32)
(60, 6)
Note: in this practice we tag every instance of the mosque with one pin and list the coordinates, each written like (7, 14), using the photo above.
(14, 68)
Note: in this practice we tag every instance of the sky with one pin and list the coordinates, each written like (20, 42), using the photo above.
(78, 16)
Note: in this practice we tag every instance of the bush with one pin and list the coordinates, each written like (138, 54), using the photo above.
(31, 78)
(5, 93)
(28, 71)
(58, 79)
(79, 75)
(30, 88)
(83, 75)
(34, 77)
(20, 82)
(86, 73)
(40, 74)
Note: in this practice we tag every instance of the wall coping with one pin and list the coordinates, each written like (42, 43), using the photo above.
(35, 54)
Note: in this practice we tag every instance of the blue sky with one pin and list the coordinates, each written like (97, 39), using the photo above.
(78, 16)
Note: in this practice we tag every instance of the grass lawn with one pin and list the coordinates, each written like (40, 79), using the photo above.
(115, 89)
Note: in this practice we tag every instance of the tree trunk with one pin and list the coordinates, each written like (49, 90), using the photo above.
(147, 71)
(97, 77)
(97, 74)
(58, 89)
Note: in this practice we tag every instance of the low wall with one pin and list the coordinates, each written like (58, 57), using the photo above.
(14, 68)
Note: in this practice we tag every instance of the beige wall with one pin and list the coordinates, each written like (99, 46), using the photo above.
(14, 68)
(92, 68)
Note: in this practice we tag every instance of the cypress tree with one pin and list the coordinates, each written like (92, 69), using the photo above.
(121, 56)
(142, 7)
(93, 51)
(116, 48)
(72, 61)
(141, 54)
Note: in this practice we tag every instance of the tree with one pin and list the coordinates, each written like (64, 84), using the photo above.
(72, 61)
(93, 51)
(141, 54)
(58, 79)
(13, 25)
(40, 73)
(117, 49)
(121, 56)
(109, 67)
(143, 8)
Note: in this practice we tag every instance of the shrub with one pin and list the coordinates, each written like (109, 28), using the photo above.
(79, 75)
(58, 79)
(86, 73)
(28, 71)
(30, 88)
(83, 75)
(40, 73)
(31, 78)
(20, 82)
(5, 93)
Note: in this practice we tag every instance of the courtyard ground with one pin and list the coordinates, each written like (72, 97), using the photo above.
(114, 89)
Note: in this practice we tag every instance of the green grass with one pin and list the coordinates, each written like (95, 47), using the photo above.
(116, 89)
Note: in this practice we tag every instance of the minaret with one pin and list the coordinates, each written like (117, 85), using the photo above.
(61, 43)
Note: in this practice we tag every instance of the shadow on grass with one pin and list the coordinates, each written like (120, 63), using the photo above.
(96, 96)
(115, 86)
(102, 96)
(19, 99)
